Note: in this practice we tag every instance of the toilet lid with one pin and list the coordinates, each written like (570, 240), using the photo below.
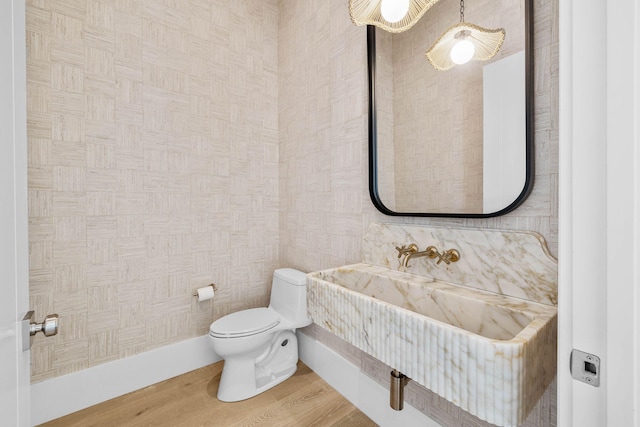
(244, 323)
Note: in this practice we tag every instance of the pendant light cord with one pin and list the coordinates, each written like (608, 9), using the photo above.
(461, 10)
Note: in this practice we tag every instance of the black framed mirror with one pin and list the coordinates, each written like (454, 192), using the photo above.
(455, 143)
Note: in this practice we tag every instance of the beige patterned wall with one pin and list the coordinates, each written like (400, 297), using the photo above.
(325, 204)
(153, 170)
(323, 128)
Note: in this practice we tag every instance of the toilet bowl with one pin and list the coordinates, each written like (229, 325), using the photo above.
(259, 345)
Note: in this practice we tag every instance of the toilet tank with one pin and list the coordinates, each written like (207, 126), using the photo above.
(289, 296)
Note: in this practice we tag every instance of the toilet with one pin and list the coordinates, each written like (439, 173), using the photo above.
(259, 345)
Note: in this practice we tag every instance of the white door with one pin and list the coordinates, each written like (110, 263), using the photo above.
(14, 363)
(599, 246)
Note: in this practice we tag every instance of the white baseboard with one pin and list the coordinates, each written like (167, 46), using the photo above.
(56, 397)
(363, 392)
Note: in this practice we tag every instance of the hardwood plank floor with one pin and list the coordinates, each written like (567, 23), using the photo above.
(190, 400)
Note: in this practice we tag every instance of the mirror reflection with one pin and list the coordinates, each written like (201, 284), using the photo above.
(454, 142)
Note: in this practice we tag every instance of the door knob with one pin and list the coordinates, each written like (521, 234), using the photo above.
(48, 327)
(30, 327)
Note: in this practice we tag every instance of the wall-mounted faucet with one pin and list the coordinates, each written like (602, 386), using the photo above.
(411, 251)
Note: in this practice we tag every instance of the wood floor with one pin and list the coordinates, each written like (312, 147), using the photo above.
(190, 400)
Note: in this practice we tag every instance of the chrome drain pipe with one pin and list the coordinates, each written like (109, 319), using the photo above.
(396, 390)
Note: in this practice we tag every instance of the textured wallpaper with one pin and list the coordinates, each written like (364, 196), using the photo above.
(153, 170)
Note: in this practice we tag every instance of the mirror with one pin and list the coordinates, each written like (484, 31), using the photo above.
(454, 143)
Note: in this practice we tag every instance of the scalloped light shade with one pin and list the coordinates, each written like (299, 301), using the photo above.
(367, 12)
(486, 43)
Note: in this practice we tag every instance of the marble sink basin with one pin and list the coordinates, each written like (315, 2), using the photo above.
(490, 354)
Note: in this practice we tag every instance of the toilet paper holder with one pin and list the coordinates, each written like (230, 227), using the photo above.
(213, 285)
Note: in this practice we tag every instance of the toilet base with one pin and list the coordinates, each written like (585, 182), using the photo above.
(243, 378)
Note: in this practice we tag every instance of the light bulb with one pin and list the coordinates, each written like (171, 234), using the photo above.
(462, 51)
(394, 10)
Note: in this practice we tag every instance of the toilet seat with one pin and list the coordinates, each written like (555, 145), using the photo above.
(244, 323)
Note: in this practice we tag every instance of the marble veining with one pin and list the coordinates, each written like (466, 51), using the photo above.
(489, 315)
(513, 263)
(490, 352)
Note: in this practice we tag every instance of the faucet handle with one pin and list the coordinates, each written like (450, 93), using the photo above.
(412, 248)
(452, 255)
(404, 250)
(401, 250)
(449, 256)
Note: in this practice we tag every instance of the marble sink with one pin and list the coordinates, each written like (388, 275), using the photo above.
(491, 354)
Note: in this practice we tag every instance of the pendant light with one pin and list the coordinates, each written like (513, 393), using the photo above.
(464, 42)
(394, 16)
